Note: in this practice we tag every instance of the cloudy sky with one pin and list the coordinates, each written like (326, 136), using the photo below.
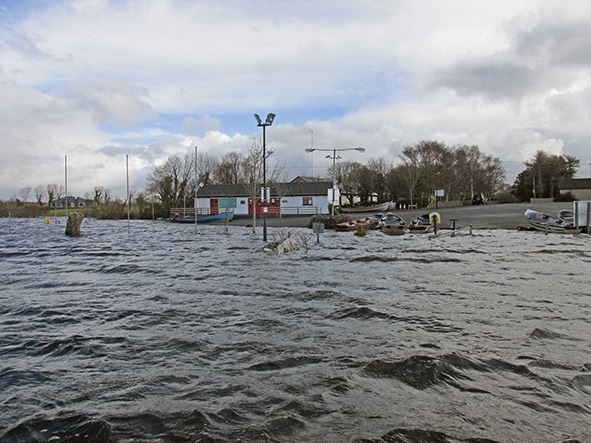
(95, 80)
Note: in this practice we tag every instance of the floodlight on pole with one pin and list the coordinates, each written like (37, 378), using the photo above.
(268, 122)
(334, 172)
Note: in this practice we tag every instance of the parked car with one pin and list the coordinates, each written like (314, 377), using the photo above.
(478, 199)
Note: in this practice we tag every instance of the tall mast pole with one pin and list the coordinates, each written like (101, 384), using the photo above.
(66, 181)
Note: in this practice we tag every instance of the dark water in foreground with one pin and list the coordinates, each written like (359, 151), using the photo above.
(168, 336)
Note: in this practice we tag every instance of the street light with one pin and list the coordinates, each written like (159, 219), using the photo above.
(264, 124)
(334, 172)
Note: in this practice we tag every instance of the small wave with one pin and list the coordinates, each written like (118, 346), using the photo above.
(549, 364)
(495, 364)
(129, 269)
(10, 377)
(284, 363)
(318, 295)
(13, 254)
(423, 436)
(428, 260)
(76, 345)
(228, 417)
(420, 372)
(188, 426)
(72, 429)
(429, 346)
(362, 312)
(339, 385)
(546, 334)
(286, 425)
(582, 382)
(374, 258)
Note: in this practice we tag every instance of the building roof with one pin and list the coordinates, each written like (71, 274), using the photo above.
(304, 179)
(574, 183)
(280, 189)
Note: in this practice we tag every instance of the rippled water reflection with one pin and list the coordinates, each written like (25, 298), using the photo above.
(169, 335)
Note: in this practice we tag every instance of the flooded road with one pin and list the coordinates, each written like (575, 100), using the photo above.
(165, 334)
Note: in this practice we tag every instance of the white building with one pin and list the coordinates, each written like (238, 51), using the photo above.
(298, 197)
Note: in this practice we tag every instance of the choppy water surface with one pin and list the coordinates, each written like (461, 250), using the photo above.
(166, 335)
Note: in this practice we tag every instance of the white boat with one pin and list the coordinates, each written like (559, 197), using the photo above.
(420, 224)
(551, 225)
(566, 215)
(392, 224)
(205, 218)
(376, 208)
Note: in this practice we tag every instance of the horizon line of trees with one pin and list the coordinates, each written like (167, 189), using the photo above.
(460, 171)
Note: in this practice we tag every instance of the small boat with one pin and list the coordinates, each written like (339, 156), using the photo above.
(352, 225)
(203, 218)
(394, 230)
(566, 215)
(391, 219)
(392, 224)
(546, 223)
(421, 224)
(376, 208)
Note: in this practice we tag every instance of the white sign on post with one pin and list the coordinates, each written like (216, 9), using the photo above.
(336, 193)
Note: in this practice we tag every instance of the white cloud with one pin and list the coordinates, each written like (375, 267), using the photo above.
(100, 79)
(112, 101)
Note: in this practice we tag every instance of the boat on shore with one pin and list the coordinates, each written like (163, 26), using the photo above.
(421, 224)
(353, 225)
(394, 230)
(376, 208)
(203, 218)
(567, 215)
(548, 224)
(392, 224)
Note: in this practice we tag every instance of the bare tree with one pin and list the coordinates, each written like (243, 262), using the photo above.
(347, 178)
(170, 181)
(207, 167)
(39, 193)
(278, 180)
(98, 192)
(25, 193)
(253, 174)
(230, 169)
(52, 193)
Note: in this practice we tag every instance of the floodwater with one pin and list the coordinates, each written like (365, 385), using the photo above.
(165, 334)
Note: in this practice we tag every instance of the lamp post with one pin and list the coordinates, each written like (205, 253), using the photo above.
(334, 172)
(264, 124)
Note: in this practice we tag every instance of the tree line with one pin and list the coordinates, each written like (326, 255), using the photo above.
(412, 178)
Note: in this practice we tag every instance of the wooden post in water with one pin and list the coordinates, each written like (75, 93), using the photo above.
(73, 224)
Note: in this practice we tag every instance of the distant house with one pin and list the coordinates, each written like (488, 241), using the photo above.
(72, 202)
(298, 197)
(579, 188)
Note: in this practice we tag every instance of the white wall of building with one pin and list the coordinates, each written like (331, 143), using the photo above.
(241, 208)
(297, 202)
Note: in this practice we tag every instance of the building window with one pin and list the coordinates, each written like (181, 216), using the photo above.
(307, 201)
